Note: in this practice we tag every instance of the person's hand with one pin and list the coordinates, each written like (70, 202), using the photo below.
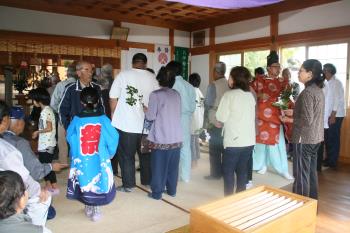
(331, 120)
(44, 195)
(288, 112)
(145, 108)
(56, 167)
(286, 119)
(35, 134)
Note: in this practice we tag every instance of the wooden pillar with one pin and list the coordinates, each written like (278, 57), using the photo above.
(274, 31)
(212, 54)
(117, 43)
(171, 43)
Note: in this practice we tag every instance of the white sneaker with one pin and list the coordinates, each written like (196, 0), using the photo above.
(249, 185)
(96, 214)
(288, 176)
(88, 211)
(262, 171)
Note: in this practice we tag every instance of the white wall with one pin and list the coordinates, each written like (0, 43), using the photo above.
(147, 34)
(182, 38)
(324, 16)
(247, 29)
(126, 58)
(15, 19)
(200, 65)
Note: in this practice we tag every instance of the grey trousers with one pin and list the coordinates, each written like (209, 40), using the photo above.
(195, 150)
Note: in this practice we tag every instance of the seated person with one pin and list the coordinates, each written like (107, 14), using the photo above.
(36, 169)
(11, 159)
(13, 200)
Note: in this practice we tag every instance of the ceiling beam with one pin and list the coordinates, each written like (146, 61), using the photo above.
(56, 39)
(60, 8)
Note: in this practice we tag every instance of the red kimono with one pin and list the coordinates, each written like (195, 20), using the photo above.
(268, 90)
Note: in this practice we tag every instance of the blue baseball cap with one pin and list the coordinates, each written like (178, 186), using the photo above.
(17, 112)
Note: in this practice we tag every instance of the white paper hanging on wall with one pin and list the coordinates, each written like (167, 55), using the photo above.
(131, 52)
(161, 56)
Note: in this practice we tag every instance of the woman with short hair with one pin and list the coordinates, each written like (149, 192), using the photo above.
(165, 135)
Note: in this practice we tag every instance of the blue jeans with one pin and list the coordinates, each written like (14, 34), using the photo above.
(165, 171)
(235, 161)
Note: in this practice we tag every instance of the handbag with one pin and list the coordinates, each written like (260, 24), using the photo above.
(145, 143)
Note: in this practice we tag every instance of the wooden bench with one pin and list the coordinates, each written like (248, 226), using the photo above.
(260, 210)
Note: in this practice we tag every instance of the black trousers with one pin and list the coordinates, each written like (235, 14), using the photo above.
(45, 157)
(145, 168)
(304, 169)
(216, 152)
(128, 144)
(250, 167)
(332, 142)
(235, 162)
(320, 153)
(145, 164)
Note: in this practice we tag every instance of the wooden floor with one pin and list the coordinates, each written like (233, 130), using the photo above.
(334, 201)
(333, 204)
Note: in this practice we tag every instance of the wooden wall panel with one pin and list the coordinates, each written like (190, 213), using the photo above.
(212, 53)
(345, 139)
(55, 39)
(326, 34)
(125, 45)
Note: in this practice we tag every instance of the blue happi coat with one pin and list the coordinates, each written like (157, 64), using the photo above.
(93, 142)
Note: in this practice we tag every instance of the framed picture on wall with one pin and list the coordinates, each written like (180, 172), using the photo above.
(119, 33)
(199, 39)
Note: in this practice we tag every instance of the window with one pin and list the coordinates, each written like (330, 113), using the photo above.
(255, 59)
(332, 53)
(231, 60)
(292, 58)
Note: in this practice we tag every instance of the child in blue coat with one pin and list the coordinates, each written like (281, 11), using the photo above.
(93, 142)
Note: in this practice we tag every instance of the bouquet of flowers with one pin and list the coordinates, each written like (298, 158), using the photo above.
(284, 98)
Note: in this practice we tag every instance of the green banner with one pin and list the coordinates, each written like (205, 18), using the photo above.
(181, 55)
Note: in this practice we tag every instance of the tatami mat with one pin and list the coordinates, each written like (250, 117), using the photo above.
(135, 212)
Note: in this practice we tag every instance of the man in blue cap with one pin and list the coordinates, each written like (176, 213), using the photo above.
(37, 170)
(12, 159)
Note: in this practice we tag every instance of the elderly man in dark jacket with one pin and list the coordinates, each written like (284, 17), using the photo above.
(70, 104)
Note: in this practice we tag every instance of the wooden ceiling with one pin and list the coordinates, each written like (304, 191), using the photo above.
(158, 12)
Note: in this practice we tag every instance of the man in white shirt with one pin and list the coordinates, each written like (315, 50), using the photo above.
(336, 105)
(128, 95)
(327, 112)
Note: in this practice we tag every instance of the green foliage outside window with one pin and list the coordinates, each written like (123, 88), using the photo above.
(255, 59)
